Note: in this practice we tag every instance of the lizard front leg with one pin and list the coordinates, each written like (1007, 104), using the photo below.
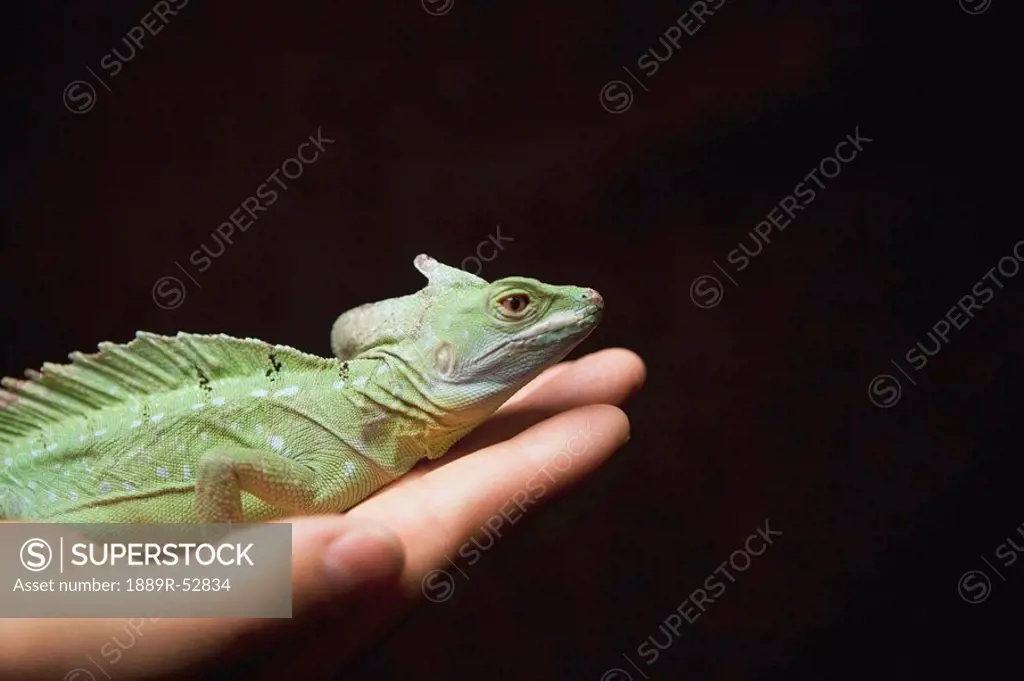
(225, 472)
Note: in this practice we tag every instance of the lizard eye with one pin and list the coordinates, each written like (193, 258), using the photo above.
(514, 305)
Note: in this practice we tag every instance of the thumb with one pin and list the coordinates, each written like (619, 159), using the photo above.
(346, 591)
(336, 563)
(344, 574)
(333, 558)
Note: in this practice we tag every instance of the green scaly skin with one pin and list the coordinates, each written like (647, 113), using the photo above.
(210, 428)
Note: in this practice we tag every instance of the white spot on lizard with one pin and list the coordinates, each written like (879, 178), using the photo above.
(161, 472)
(73, 496)
(51, 495)
(156, 418)
(136, 423)
(276, 442)
(259, 393)
(186, 472)
(287, 392)
(32, 485)
(217, 401)
(100, 433)
(338, 385)
(197, 406)
(359, 382)
(349, 468)
(128, 487)
(8, 461)
(104, 487)
(51, 447)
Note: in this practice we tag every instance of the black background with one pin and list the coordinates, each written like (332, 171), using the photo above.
(447, 126)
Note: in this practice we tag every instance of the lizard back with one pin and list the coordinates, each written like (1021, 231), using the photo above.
(130, 421)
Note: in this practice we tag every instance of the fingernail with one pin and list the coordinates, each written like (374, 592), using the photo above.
(362, 555)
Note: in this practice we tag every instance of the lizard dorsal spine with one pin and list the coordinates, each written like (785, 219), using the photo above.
(120, 375)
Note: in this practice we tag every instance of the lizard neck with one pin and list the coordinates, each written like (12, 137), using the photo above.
(417, 402)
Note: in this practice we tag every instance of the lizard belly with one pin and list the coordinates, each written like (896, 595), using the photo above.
(136, 470)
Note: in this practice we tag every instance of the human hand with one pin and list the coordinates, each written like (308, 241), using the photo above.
(355, 574)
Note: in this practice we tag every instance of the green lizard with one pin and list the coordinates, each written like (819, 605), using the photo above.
(177, 428)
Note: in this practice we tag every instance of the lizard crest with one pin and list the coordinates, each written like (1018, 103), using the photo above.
(122, 374)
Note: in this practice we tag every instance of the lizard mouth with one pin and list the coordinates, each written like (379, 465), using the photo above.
(565, 325)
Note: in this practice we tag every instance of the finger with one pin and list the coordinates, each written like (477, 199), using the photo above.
(610, 375)
(436, 513)
(605, 377)
(334, 559)
(536, 383)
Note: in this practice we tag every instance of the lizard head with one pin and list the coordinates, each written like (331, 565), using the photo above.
(503, 333)
(471, 342)
(481, 340)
